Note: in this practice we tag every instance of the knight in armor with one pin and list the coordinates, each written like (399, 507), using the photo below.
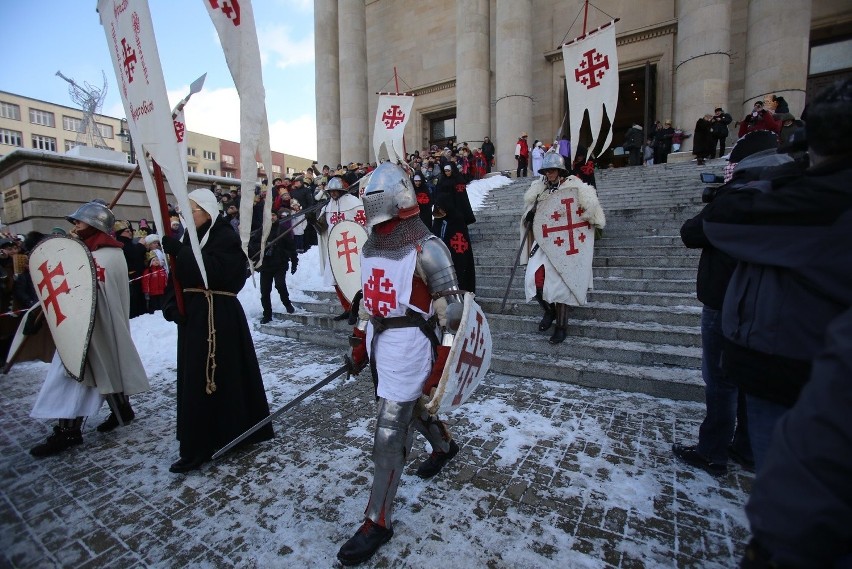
(113, 369)
(341, 206)
(412, 305)
(551, 286)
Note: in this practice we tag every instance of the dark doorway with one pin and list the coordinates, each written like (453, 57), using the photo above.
(442, 129)
(630, 109)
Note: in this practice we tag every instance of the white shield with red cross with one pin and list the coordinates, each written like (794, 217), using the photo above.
(567, 240)
(63, 273)
(467, 363)
(345, 240)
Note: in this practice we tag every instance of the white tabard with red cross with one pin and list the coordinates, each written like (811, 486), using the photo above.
(63, 273)
(345, 240)
(567, 242)
(403, 356)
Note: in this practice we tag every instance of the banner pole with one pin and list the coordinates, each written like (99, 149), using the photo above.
(164, 213)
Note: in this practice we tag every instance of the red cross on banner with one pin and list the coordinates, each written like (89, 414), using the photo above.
(393, 116)
(570, 226)
(230, 8)
(591, 69)
(379, 294)
(50, 296)
(347, 246)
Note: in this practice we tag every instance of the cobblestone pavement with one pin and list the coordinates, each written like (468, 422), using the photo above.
(549, 475)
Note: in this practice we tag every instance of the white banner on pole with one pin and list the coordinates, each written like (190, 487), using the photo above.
(234, 22)
(392, 115)
(136, 60)
(591, 77)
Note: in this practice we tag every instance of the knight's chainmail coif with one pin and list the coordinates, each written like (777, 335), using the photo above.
(395, 245)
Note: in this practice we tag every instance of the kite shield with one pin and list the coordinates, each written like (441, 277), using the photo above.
(345, 240)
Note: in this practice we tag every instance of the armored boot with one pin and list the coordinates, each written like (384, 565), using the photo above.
(391, 443)
(561, 324)
(549, 311)
(444, 448)
(122, 403)
(65, 435)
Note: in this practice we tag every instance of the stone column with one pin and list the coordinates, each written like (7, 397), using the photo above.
(473, 71)
(354, 126)
(327, 82)
(514, 78)
(777, 52)
(702, 63)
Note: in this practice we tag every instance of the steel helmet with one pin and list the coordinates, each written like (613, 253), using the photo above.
(335, 185)
(553, 160)
(389, 194)
(95, 214)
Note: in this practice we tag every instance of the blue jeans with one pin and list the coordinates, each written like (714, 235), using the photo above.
(763, 415)
(726, 422)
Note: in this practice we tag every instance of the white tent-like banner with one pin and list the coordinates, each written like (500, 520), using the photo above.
(591, 77)
(234, 22)
(392, 115)
(136, 60)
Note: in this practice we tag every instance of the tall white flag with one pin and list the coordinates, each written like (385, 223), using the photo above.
(234, 22)
(133, 49)
(591, 77)
(391, 117)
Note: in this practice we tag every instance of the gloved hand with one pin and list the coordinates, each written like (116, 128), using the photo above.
(528, 220)
(171, 245)
(358, 359)
(437, 370)
(33, 324)
(147, 296)
(293, 266)
(517, 157)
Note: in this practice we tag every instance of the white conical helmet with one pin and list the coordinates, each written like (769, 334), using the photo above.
(389, 194)
(553, 160)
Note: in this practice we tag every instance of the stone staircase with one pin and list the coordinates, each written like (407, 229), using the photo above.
(639, 331)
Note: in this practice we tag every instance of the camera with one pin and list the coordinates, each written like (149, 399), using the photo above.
(709, 192)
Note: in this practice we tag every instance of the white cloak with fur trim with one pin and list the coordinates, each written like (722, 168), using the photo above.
(555, 287)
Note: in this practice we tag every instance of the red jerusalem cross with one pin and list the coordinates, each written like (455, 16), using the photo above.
(360, 217)
(570, 226)
(52, 296)
(231, 9)
(376, 301)
(180, 128)
(343, 250)
(129, 62)
(592, 68)
(475, 341)
(393, 116)
(459, 243)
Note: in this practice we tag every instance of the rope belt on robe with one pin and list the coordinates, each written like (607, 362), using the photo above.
(210, 366)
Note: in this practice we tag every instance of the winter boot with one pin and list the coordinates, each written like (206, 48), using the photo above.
(436, 461)
(267, 318)
(561, 324)
(122, 403)
(289, 307)
(549, 312)
(65, 435)
(366, 541)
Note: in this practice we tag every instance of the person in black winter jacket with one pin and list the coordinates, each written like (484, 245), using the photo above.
(278, 256)
(724, 431)
(452, 184)
(800, 508)
(793, 238)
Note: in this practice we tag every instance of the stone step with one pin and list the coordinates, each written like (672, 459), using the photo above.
(569, 362)
(602, 282)
(680, 259)
(516, 295)
(637, 272)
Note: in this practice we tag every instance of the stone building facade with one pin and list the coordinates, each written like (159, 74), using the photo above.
(494, 67)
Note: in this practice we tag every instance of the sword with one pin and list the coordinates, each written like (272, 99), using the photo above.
(338, 372)
(514, 268)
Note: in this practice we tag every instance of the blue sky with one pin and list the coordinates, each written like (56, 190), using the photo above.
(46, 36)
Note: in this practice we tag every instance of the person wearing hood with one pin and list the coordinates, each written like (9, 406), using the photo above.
(220, 390)
(424, 198)
(537, 154)
(449, 225)
(451, 183)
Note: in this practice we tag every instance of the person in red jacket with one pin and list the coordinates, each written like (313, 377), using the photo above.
(759, 119)
(522, 155)
(154, 281)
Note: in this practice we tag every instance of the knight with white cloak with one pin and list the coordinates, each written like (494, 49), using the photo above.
(561, 279)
